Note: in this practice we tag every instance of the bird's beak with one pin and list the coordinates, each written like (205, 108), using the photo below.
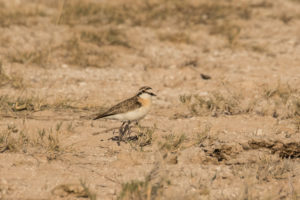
(152, 94)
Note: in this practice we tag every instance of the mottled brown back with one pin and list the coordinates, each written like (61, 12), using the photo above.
(124, 106)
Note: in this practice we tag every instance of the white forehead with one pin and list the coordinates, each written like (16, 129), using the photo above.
(145, 96)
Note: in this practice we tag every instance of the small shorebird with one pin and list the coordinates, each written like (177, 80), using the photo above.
(132, 109)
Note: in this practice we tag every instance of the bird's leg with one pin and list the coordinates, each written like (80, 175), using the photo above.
(121, 131)
(128, 128)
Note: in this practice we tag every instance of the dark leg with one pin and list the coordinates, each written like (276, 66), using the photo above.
(122, 131)
(128, 128)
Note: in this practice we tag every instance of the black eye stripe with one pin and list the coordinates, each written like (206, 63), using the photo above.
(145, 88)
(144, 91)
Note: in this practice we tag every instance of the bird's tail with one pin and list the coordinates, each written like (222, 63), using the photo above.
(100, 116)
(87, 117)
(92, 117)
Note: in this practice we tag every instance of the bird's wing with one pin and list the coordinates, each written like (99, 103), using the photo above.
(129, 104)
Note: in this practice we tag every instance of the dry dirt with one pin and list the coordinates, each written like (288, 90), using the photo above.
(225, 123)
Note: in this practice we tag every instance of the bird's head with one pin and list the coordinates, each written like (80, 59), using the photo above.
(145, 92)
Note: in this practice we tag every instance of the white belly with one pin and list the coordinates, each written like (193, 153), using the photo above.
(132, 115)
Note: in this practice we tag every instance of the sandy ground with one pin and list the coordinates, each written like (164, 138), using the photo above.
(235, 135)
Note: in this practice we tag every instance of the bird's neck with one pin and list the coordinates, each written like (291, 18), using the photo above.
(145, 101)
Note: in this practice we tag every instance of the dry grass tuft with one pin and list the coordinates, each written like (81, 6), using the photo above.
(110, 36)
(92, 48)
(87, 191)
(296, 1)
(9, 104)
(150, 188)
(296, 122)
(285, 18)
(151, 14)
(15, 81)
(273, 169)
(228, 30)
(135, 190)
(279, 101)
(144, 138)
(172, 142)
(20, 15)
(36, 57)
(258, 49)
(81, 54)
(3, 77)
(74, 190)
(31, 104)
(177, 37)
(214, 104)
(15, 139)
(283, 99)
(203, 134)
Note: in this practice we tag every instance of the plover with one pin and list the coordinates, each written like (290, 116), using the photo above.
(132, 109)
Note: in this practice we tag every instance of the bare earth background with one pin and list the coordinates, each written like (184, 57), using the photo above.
(231, 133)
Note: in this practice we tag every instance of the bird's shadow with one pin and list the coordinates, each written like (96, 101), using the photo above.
(124, 139)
